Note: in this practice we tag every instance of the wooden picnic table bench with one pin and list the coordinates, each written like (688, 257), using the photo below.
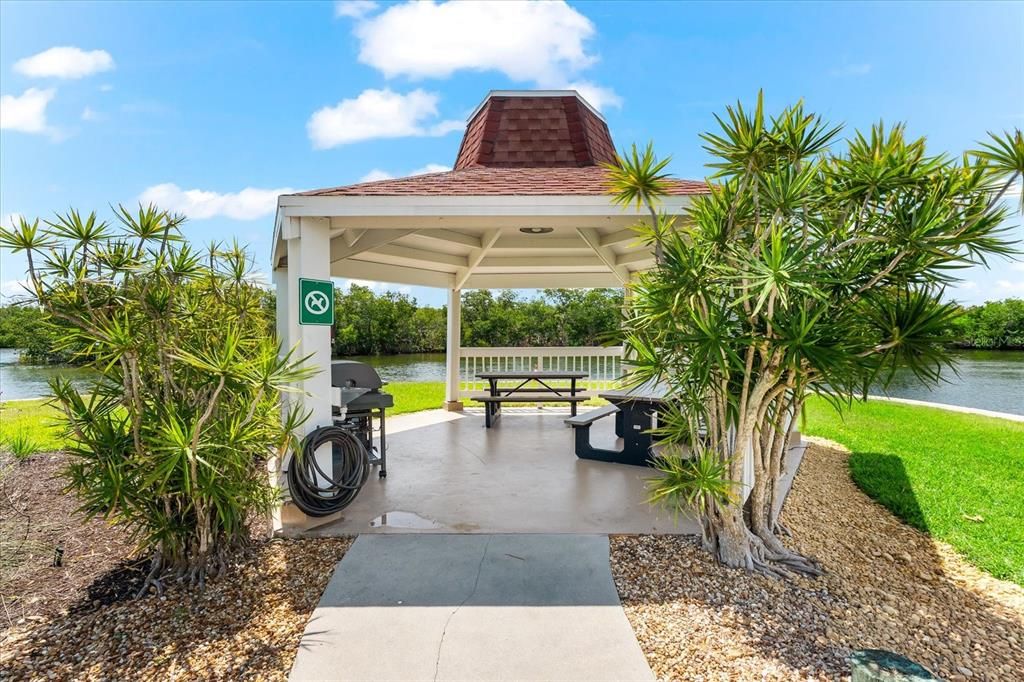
(530, 387)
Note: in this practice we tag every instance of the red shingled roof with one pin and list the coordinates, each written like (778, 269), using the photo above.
(538, 143)
(589, 180)
(535, 132)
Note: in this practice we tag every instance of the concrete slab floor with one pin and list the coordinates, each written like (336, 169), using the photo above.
(447, 473)
(471, 607)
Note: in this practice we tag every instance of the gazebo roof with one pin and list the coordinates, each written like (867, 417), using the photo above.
(488, 181)
(526, 206)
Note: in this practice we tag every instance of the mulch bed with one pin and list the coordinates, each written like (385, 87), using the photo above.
(79, 622)
(36, 521)
(887, 586)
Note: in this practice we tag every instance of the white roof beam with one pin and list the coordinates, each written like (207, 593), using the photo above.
(369, 239)
(451, 236)
(538, 242)
(592, 237)
(541, 280)
(618, 237)
(486, 242)
(416, 255)
(641, 256)
(397, 274)
(540, 262)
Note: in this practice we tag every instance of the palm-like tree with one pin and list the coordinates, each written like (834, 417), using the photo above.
(803, 271)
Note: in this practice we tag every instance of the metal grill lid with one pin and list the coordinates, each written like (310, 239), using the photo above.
(351, 374)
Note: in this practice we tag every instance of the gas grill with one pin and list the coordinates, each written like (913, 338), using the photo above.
(358, 401)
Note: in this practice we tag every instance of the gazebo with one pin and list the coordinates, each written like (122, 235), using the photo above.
(525, 206)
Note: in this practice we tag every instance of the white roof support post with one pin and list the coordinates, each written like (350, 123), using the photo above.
(309, 257)
(452, 348)
(282, 309)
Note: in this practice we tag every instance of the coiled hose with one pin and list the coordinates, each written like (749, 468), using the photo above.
(350, 471)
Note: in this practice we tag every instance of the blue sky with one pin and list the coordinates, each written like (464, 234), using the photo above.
(213, 109)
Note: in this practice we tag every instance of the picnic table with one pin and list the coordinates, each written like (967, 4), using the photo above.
(635, 413)
(529, 387)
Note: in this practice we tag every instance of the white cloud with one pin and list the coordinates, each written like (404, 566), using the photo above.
(26, 113)
(543, 43)
(353, 8)
(378, 114)
(1005, 286)
(65, 62)
(248, 204)
(378, 174)
(11, 220)
(1017, 266)
(599, 97)
(106, 87)
(14, 289)
(90, 114)
(851, 70)
(527, 41)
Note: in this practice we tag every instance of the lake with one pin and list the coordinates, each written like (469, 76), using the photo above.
(990, 380)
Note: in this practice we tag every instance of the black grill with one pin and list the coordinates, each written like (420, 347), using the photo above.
(358, 403)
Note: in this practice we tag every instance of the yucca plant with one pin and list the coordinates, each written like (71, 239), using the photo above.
(811, 267)
(20, 444)
(172, 440)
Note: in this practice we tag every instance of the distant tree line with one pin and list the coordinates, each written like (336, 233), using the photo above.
(370, 323)
(388, 323)
(993, 325)
(25, 327)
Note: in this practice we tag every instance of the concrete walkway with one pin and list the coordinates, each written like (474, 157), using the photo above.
(471, 607)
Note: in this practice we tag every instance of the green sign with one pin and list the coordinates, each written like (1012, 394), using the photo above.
(316, 301)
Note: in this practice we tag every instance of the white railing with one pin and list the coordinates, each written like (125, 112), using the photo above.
(603, 364)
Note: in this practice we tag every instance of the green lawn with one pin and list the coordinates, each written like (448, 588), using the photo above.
(414, 397)
(958, 476)
(39, 420)
(33, 418)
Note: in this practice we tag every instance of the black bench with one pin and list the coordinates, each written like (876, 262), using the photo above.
(631, 425)
(492, 403)
(581, 426)
(532, 387)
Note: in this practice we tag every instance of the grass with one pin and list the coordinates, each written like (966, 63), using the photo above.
(29, 426)
(416, 396)
(960, 477)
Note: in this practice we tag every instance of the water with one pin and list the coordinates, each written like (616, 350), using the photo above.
(990, 380)
(417, 367)
(18, 381)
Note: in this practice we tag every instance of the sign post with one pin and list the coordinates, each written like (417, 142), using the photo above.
(316, 301)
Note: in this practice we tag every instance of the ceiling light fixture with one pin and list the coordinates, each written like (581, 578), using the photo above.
(537, 230)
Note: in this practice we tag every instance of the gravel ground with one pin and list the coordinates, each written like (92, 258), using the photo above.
(887, 586)
(244, 625)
